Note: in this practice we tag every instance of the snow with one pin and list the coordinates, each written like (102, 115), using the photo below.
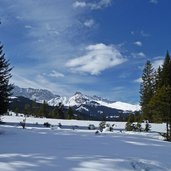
(79, 98)
(42, 149)
(120, 105)
(81, 108)
(160, 127)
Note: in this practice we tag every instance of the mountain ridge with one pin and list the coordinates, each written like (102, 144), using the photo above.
(77, 100)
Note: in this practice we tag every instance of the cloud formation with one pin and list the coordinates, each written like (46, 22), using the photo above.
(138, 55)
(154, 1)
(139, 80)
(157, 63)
(138, 43)
(56, 74)
(98, 58)
(89, 23)
(92, 5)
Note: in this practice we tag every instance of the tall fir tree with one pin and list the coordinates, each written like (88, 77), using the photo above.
(159, 103)
(43, 110)
(166, 71)
(5, 86)
(70, 114)
(147, 90)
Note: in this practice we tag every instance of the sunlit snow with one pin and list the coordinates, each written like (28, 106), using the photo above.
(42, 149)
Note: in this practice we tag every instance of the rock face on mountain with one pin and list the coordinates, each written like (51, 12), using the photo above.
(34, 94)
(88, 105)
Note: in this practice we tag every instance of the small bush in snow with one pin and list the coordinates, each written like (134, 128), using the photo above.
(91, 127)
(102, 125)
(133, 127)
(46, 124)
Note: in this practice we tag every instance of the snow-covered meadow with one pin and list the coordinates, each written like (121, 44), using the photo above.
(43, 149)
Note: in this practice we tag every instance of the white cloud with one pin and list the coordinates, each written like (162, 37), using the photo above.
(138, 43)
(157, 63)
(89, 23)
(56, 74)
(24, 82)
(39, 81)
(79, 4)
(98, 58)
(139, 55)
(144, 34)
(139, 33)
(28, 26)
(154, 1)
(139, 80)
(92, 5)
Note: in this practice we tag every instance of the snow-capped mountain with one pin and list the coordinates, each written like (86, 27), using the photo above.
(78, 100)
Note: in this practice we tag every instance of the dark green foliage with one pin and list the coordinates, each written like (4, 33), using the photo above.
(102, 125)
(128, 126)
(70, 114)
(166, 71)
(147, 89)
(60, 109)
(5, 86)
(133, 127)
(43, 110)
(131, 118)
(156, 98)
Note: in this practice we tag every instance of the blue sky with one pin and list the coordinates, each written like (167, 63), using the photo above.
(97, 47)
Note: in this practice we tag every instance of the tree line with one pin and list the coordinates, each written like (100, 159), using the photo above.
(32, 108)
(155, 93)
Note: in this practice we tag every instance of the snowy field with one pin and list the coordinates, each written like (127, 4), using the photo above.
(46, 149)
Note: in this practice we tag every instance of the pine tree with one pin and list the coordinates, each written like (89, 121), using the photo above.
(155, 94)
(147, 90)
(70, 113)
(166, 71)
(43, 111)
(61, 114)
(5, 86)
(158, 79)
(165, 86)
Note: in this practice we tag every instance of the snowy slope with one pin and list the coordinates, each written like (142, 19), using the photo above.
(120, 105)
(42, 149)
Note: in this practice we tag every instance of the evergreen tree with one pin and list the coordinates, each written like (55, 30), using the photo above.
(43, 111)
(161, 107)
(147, 89)
(27, 109)
(159, 103)
(166, 71)
(70, 113)
(5, 86)
(60, 111)
(158, 79)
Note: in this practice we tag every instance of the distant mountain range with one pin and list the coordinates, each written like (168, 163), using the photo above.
(88, 105)
(34, 94)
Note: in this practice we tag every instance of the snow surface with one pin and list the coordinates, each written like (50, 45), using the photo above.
(120, 105)
(43, 149)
